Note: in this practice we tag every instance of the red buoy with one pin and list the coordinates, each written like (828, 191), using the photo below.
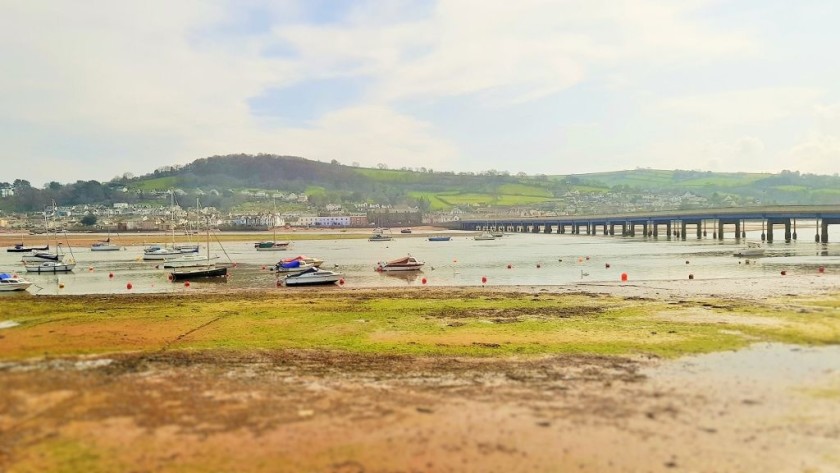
(509, 266)
(279, 283)
(341, 282)
(186, 284)
(784, 273)
(821, 269)
(90, 268)
(111, 275)
(423, 280)
(263, 268)
(129, 286)
(483, 279)
(170, 277)
(623, 277)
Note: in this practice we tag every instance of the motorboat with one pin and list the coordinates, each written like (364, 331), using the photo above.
(272, 246)
(197, 272)
(484, 236)
(497, 234)
(193, 260)
(291, 267)
(50, 266)
(751, 250)
(312, 277)
(440, 238)
(10, 282)
(409, 263)
(380, 237)
(405, 230)
(304, 259)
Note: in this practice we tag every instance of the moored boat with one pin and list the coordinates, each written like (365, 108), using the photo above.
(50, 266)
(11, 282)
(752, 249)
(440, 238)
(193, 260)
(409, 263)
(312, 277)
(290, 267)
(19, 248)
(104, 245)
(272, 246)
(405, 230)
(484, 236)
(205, 271)
(304, 259)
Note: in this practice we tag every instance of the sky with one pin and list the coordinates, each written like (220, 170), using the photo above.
(95, 89)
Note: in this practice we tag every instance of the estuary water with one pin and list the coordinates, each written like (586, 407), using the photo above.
(533, 260)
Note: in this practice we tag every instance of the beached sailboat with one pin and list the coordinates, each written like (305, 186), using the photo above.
(484, 236)
(208, 269)
(272, 245)
(104, 245)
(172, 251)
(379, 235)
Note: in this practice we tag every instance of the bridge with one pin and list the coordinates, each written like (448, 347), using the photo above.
(675, 223)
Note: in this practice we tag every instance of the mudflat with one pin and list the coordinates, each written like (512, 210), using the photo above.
(517, 379)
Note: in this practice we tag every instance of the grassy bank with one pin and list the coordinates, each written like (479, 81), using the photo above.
(415, 322)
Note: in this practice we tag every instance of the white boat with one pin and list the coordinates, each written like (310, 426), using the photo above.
(752, 249)
(160, 253)
(193, 260)
(484, 236)
(12, 283)
(50, 267)
(409, 263)
(312, 277)
(497, 234)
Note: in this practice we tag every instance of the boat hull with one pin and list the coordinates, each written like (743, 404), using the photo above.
(293, 282)
(50, 267)
(105, 248)
(413, 267)
(749, 253)
(9, 287)
(440, 238)
(198, 273)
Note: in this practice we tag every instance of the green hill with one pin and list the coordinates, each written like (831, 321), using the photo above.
(225, 182)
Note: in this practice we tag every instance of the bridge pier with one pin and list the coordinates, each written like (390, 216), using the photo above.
(824, 228)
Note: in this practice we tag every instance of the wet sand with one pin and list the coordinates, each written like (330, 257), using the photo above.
(771, 407)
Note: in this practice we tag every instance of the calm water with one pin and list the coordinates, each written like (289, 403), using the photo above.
(562, 259)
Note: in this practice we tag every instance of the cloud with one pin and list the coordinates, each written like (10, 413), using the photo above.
(747, 106)
(817, 153)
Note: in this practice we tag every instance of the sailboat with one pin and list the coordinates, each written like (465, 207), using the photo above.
(272, 245)
(57, 265)
(161, 252)
(206, 270)
(104, 245)
(47, 256)
(21, 248)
